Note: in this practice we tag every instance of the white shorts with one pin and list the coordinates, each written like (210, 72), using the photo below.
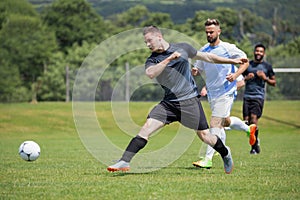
(221, 106)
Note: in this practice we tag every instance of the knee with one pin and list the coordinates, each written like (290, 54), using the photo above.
(227, 122)
(216, 122)
(254, 119)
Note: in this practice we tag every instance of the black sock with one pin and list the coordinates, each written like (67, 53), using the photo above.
(136, 144)
(220, 147)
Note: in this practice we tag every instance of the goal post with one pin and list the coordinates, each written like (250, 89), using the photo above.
(286, 69)
(287, 85)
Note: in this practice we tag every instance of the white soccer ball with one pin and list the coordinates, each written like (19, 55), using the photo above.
(29, 151)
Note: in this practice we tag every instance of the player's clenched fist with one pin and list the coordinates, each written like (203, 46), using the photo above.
(174, 55)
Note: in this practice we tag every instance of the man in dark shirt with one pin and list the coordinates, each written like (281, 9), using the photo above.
(256, 75)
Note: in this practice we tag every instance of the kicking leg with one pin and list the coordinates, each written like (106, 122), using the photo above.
(136, 144)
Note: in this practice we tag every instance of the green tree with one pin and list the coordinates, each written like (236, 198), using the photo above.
(159, 19)
(52, 86)
(286, 56)
(53, 81)
(21, 7)
(11, 89)
(246, 45)
(74, 21)
(30, 44)
(26, 45)
(131, 18)
(140, 16)
(249, 23)
(227, 17)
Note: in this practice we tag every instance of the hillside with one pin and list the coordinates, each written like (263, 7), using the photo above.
(180, 10)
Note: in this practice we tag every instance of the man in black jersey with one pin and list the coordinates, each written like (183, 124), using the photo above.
(256, 76)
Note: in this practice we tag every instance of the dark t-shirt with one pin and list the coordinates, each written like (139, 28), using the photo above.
(176, 79)
(255, 88)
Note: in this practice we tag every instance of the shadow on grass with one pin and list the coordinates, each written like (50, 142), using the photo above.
(281, 121)
(168, 170)
(276, 120)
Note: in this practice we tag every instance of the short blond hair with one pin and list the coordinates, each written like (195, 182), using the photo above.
(151, 29)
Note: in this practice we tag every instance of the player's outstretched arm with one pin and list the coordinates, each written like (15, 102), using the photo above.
(212, 58)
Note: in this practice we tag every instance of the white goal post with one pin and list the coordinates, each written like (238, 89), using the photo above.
(282, 70)
(286, 69)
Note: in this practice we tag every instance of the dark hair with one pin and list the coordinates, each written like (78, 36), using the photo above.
(260, 45)
(151, 29)
(212, 22)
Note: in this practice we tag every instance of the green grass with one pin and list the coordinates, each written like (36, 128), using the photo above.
(66, 170)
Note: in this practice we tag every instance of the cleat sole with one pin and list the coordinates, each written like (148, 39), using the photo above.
(112, 169)
(199, 166)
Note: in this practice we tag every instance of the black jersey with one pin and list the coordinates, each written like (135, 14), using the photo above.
(176, 79)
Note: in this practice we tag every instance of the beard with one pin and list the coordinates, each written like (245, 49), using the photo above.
(259, 58)
(212, 40)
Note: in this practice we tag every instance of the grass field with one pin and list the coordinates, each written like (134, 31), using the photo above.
(66, 170)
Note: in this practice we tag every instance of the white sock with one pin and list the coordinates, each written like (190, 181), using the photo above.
(209, 152)
(218, 132)
(223, 135)
(203, 149)
(238, 124)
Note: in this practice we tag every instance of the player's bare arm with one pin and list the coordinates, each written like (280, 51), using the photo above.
(249, 76)
(262, 75)
(271, 81)
(231, 77)
(155, 70)
(203, 92)
(212, 58)
(240, 84)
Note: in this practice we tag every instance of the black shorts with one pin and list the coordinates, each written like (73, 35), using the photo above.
(188, 112)
(253, 106)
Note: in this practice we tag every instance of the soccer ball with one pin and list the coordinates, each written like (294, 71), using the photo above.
(29, 151)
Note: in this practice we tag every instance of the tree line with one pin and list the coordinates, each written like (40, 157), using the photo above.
(38, 46)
